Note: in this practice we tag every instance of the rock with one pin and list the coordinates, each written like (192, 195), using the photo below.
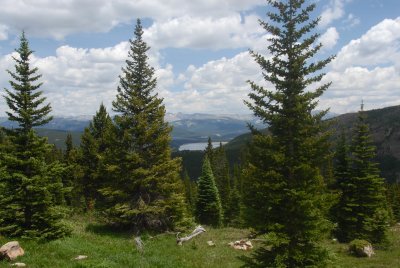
(248, 245)
(11, 251)
(19, 264)
(241, 244)
(368, 251)
(211, 243)
(361, 248)
(80, 257)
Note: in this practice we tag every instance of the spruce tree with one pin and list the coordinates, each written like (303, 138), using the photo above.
(71, 174)
(362, 209)
(69, 146)
(284, 189)
(341, 160)
(209, 151)
(145, 190)
(220, 169)
(208, 203)
(233, 212)
(393, 197)
(31, 187)
(190, 191)
(95, 141)
(25, 102)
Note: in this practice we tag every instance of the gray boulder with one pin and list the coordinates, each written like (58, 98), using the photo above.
(11, 250)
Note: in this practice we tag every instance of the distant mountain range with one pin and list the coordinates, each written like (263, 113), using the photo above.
(188, 128)
(77, 123)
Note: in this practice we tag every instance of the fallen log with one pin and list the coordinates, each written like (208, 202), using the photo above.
(196, 232)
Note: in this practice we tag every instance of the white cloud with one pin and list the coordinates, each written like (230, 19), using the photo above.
(335, 10)
(77, 80)
(367, 68)
(59, 18)
(351, 21)
(329, 38)
(3, 32)
(205, 32)
(217, 87)
(380, 45)
(377, 87)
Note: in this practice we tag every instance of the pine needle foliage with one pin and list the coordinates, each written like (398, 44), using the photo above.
(393, 197)
(362, 212)
(208, 204)
(31, 189)
(284, 191)
(220, 169)
(145, 189)
(25, 102)
(96, 140)
(190, 191)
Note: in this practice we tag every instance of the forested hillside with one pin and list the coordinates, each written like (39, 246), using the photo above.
(385, 129)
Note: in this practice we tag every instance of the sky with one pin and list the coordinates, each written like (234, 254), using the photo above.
(199, 49)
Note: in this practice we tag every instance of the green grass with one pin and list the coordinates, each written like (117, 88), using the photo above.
(107, 248)
(389, 257)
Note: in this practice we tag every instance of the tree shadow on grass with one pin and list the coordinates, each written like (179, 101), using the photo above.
(107, 230)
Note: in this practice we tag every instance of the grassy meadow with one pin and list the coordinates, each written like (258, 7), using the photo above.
(107, 248)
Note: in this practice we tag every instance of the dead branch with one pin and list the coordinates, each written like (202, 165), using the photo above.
(139, 244)
(196, 232)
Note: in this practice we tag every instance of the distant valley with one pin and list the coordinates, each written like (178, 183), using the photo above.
(187, 128)
(196, 128)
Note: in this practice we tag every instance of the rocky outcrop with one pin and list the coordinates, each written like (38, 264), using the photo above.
(361, 248)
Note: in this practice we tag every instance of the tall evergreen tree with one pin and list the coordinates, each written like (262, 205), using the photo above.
(393, 197)
(190, 191)
(69, 146)
(341, 163)
(233, 212)
(208, 204)
(284, 188)
(146, 191)
(25, 102)
(209, 151)
(362, 212)
(73, 174)
(342, 160)
(220, 169)
(70, 176)
(95, 141)
(31, 188)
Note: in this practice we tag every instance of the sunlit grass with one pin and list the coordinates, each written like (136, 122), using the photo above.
(109, 248)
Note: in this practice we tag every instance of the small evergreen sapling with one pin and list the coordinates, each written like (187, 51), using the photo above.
(362, 209)
(208, 204)
(95, 142)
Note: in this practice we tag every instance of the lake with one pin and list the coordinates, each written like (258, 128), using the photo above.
(198, 146)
